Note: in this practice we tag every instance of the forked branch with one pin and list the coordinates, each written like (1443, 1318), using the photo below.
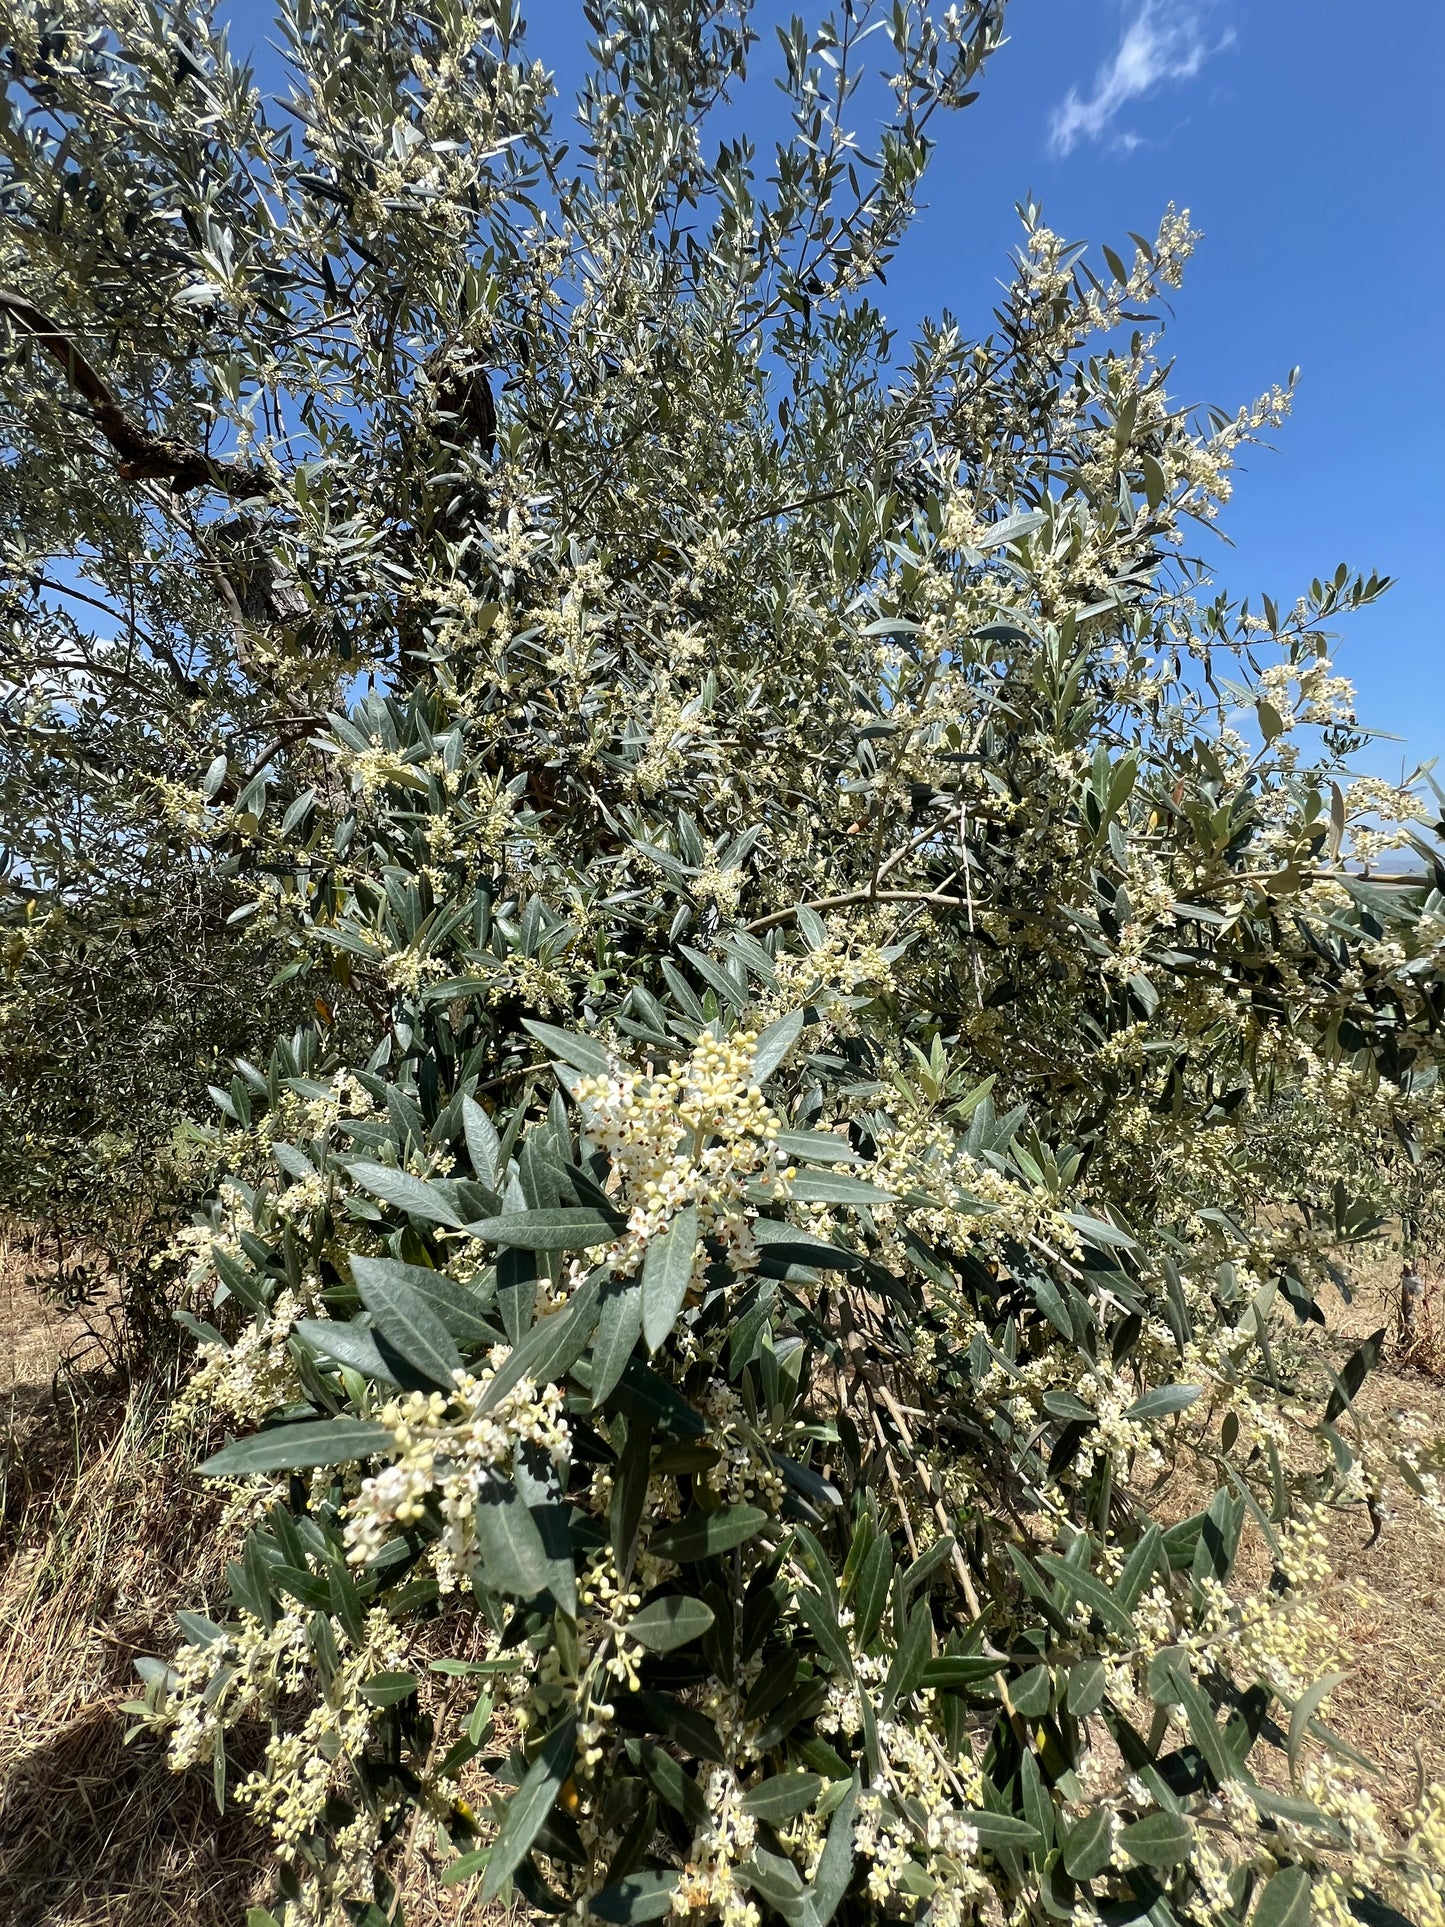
(143, 456)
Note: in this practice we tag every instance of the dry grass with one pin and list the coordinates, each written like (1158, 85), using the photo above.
(99, 1544)
(34, 1333)
(95, 1832)
(96, 1548)
(1420, 1349)
(1389, 1597)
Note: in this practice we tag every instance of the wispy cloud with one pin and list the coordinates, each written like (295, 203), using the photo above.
(1164, 40)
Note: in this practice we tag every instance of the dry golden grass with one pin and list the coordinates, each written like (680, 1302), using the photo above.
(100, 1543)
(95, 1832)
(1389, 1597)
(34, 1334)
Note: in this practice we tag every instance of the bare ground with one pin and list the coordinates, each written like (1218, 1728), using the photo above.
(1389, 1597)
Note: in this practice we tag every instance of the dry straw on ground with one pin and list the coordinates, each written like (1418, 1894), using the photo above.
(95, 1832)
(99, 1544)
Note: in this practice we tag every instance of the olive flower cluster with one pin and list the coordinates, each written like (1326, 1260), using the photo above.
(700, 1134)
(247, 1380)
(449, 1450)
(252, 1669)
(709, 1886)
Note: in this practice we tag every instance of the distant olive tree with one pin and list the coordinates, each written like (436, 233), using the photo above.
(844, 1024)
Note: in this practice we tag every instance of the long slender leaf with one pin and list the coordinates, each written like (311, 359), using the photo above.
(413, 1195)
(1003, 1832)
(1285, 1901)
(452, 1304)
(351, 1343)
(1159, 1840)
(1087, 1849)
(405, 1323)
(514, 1558)
(774, 1043)
(835, 1863)
(557, 1229)
(638, 1896)
(529, 1806)
(817, 1147)
(823, 1624)
(292, 1448)
(791, 1246)
(619, 1325)
(666, 1274)
(1305, 1708)
(1202, 1725)
(836, 1187)
(483, 1144)
(584, 1054)
(1360, 1363)
(1084, 1587)
(551, 1348)
(783, 1796)
(669, 1623)
(1162, 1401)
(701, 1534)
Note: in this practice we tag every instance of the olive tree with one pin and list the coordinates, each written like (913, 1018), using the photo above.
(825, 945)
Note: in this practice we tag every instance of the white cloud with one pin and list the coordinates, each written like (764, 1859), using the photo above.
(1165, 40)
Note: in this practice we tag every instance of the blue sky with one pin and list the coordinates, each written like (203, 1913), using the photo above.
(1299, 135)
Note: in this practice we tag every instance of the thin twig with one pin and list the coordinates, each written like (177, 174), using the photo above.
(887, 1450)
(940, 1511)
(854, 896)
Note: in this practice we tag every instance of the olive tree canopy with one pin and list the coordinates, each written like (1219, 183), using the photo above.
(837, 1026)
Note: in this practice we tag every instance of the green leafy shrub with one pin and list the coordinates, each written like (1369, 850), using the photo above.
(852, 934)
(119, 1008)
